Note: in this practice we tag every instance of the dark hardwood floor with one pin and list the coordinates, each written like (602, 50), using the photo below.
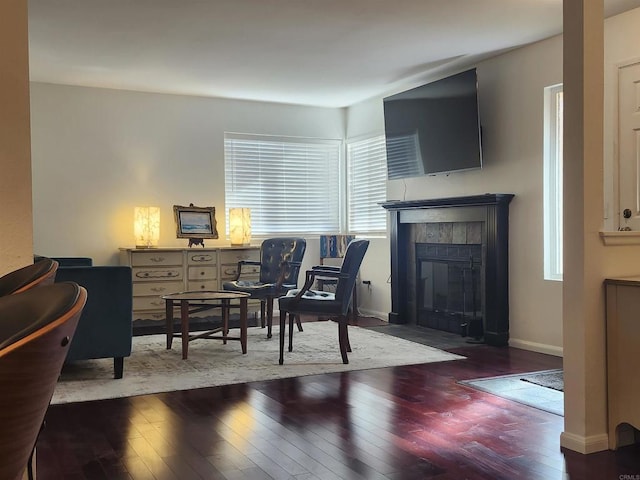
(412, 422)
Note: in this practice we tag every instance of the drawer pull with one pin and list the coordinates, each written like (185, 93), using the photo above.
(157, 274)
(157, 259)
(202, 258)
(158, 289)
(159, 304)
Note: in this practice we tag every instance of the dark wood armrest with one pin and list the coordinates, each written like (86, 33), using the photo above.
(326, 267)
(245, 262)
(311, 278)
(318, 272)
(309, 281)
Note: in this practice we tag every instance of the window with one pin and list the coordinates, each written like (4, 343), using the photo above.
(366, 185)
(553, 129)
(292, 185)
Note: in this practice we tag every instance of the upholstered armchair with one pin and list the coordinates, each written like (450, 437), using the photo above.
(36, 329)
(41, 272)
(105, 328)
(280, 260)
(334, 305)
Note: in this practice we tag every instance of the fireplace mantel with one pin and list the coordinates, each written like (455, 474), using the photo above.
(471, 200)
(493, 211)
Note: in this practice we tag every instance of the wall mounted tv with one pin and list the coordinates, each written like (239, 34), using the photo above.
(434, 129)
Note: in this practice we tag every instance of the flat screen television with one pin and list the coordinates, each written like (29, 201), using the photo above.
(435, 128)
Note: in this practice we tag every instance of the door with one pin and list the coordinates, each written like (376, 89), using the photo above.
(629, 146)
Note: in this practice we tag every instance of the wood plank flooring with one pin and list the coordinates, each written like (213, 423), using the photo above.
(411, 422)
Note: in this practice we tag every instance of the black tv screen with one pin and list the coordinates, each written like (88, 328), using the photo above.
(434, 129)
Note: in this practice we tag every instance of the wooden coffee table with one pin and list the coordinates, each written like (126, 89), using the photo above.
(198, 301)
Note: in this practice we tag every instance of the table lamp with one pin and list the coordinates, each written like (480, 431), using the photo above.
(146, 226)
(240, 226)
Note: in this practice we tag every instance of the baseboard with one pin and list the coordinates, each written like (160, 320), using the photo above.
(536, 347)
(372, 313)
(584, 445)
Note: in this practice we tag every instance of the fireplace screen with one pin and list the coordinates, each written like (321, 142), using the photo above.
(449, 285)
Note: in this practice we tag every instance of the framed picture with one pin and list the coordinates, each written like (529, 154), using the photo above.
(195, 222)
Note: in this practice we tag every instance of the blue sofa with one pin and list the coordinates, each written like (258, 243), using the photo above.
(105, 327)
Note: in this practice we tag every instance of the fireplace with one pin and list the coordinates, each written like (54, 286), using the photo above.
(449, 293)
(449, 265)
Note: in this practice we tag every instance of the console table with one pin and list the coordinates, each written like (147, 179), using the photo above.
(161, 271)
(623, 363)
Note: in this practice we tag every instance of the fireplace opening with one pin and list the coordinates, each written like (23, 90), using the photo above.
(449, 288)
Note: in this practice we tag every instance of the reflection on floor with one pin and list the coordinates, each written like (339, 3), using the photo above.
(507, 386)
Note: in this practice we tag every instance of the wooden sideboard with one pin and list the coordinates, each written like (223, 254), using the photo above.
(623, 362)
(159, 271)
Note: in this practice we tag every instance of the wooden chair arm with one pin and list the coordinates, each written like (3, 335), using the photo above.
(327, 268)
(245, 262)
(310, 278)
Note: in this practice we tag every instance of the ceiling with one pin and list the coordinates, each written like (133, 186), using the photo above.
(331, 53)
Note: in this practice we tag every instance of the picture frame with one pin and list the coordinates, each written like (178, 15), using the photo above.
(195, 223)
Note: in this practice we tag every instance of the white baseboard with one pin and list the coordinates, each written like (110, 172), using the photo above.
(536, 347)
(372, 313)
(584, 445)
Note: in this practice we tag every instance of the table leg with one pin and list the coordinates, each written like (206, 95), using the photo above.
(169, 322)
(243, 324)
(225, 320)
(184, 322)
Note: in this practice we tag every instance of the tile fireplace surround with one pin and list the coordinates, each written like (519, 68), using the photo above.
(479, 222)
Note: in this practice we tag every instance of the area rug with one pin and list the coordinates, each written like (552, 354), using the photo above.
(512, 387)
(552, 379)
(153, 369)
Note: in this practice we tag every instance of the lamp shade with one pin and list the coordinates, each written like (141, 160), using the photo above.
(240, 226)
(146, 226)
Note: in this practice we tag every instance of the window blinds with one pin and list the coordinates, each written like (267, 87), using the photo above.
(292, 185)
(366, 185)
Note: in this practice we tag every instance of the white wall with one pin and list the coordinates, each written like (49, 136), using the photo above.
(511, 90)
(98, 153)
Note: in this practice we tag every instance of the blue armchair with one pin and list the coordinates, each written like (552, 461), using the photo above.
(280, 260)
(105, 327)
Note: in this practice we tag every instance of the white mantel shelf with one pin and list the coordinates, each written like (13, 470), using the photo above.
(620, 238)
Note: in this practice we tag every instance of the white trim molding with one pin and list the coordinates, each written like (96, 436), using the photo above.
(584, 445)
(620, 238)
(536, 347)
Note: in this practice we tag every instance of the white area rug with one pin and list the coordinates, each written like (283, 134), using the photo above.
(152, 368)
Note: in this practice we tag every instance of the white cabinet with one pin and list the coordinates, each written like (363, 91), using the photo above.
(202, 270)
(160, 271)
(623, 362)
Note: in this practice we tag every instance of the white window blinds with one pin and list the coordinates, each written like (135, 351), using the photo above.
(292, 185)
(366, 185)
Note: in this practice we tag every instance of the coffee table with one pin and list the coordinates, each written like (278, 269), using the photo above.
(198, 301)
